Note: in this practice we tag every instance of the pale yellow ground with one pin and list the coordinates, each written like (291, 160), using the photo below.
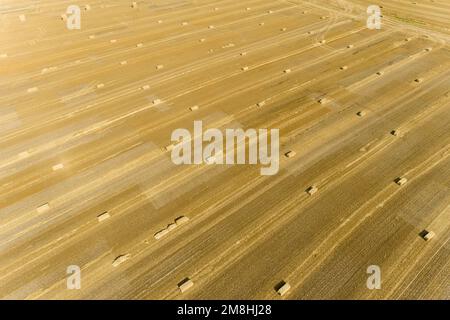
(246, 232)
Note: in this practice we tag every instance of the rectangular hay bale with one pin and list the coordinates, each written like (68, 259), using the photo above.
(428, 235)
(290, 154)
(161, 234)
(58, 166)
(283, 289)
(401, 181)
(181, 220)
(312, 190)
(120, 259)
(103, 216)
(185, 285)
(43, 208)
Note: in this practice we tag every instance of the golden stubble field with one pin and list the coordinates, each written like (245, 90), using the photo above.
(86, 179)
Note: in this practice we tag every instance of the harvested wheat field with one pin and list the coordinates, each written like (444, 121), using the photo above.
(89, 190)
